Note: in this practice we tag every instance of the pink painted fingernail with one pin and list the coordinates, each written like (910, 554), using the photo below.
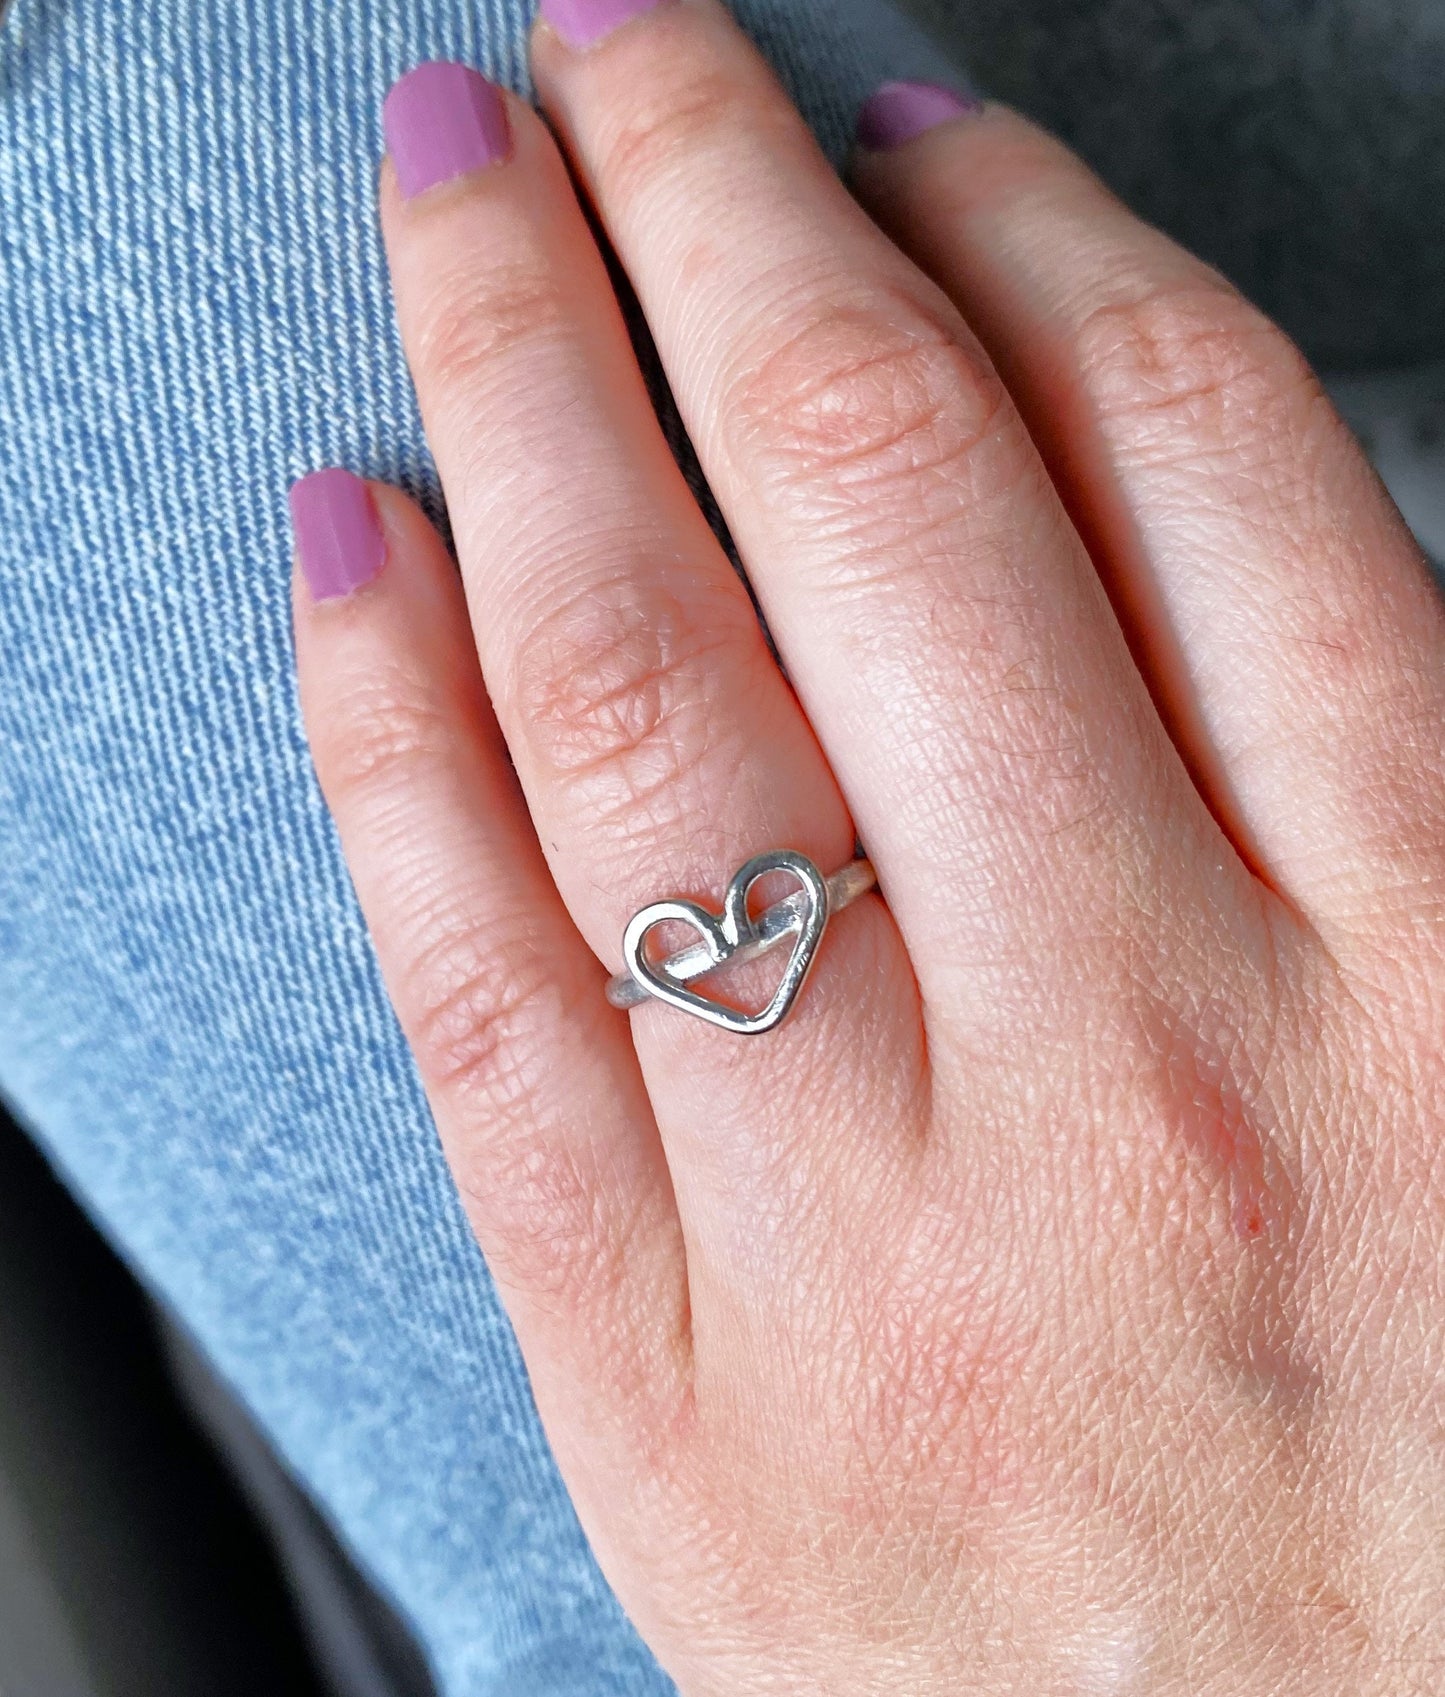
(338, 533)
(583, 23)
(899, 111)
(443, 120)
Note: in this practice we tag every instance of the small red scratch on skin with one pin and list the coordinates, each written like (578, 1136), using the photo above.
(1233, 1147)
(1228, 1134)
(1216, 1127)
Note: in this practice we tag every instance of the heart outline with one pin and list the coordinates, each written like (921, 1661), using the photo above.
(725, 933)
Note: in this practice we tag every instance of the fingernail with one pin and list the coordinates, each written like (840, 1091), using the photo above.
(899, 111)
(583, 23)
(443, 120)
(338, 533)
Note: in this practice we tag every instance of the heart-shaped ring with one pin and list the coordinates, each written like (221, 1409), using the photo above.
(733, 934)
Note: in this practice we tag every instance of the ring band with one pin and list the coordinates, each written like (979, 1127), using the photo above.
(734, 936)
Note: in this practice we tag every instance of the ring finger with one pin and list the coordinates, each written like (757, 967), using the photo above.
(657, 742)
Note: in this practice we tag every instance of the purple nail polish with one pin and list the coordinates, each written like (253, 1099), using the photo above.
(443, 120)
(899, 111)
(582, 23)
(338, 533)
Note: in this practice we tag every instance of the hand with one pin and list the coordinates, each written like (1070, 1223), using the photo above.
(1055, 1303)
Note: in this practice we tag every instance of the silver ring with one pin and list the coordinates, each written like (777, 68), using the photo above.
(734, 936)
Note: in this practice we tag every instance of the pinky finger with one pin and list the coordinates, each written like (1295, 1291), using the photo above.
(533, 1079)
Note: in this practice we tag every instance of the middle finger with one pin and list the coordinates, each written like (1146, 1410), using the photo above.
(938, 613)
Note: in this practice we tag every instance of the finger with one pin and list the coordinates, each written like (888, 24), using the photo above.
(658, 744)
(560, 1167)
(937, 612)
(1283, 613)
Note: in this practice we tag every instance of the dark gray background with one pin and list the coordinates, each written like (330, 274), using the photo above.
(1298, 144)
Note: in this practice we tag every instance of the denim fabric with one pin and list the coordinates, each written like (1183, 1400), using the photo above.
(193, 311)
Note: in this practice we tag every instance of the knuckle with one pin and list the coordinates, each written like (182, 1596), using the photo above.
(1191, 351)
(482, 1017)
(669, 121)
(543, 1224)
(864, 402)
(615, 695)
(388, 734)
(484, 1021)
(471, 325)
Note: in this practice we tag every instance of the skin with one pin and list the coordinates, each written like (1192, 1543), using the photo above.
(1055, 1304)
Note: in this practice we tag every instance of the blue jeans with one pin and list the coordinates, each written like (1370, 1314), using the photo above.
(194, 311)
